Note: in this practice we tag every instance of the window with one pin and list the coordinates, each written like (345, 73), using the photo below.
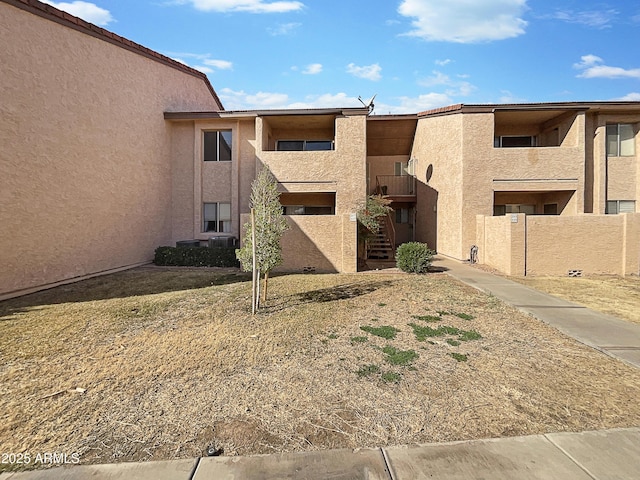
(217, 217)
(621, 206)
(217, 146)
(307, 210)
(620, 140)
(402, 215)
(499, 210)
(509, 141)
(304, 145)
(310, 203)
(401, 169)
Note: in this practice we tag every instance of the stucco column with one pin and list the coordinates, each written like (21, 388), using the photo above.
(349, 243)
(518, 233)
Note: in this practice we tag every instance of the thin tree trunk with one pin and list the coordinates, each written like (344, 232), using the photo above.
(264, 291)
(255, 279)
(258, 292)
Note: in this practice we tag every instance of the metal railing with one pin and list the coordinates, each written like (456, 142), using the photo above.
(395, 185)
(391, 233)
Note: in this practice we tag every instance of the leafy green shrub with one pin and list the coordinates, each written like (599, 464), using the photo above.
(367, 370)
(386, 331)
(460, 357)
(414, 257)
(391, 377)
(196, 257)
(399, 357)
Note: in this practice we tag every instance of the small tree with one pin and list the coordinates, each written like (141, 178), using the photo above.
(377, 206)
(270, 225)
(369, 214)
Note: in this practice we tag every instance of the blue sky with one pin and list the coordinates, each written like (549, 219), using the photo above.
(413, 54)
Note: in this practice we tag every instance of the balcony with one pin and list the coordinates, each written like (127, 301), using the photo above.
(398, 188)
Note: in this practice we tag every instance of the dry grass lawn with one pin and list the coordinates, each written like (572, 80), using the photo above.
(615, 295)
(173, 363)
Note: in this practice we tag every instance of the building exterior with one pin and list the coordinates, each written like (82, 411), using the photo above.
(112, 150)
(318, 157)
(86, 169)
(567, 166)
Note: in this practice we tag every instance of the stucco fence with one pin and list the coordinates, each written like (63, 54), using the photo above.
(318, 243)
(517, 244)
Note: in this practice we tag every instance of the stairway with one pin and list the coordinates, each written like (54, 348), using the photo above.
(378, 246)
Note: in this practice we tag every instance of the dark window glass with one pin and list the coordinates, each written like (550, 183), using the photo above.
(524, 141)
(217, 146)
(290, 145)
(318, 145)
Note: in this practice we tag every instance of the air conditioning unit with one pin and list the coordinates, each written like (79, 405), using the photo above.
(223, 242)
(188, 243)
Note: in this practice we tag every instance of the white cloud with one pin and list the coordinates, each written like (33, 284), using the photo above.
(631, 97)
(417, 104)
(465, 21)
(241, 100)
(283, 29)
(249, 6)
(218, 64)
(456, 88)
(369, 72)
(89, 12)
(438, 78)
(592, 18)
(444, 62)
(508, 97)
(327, 100)
(593, 66)
(313, 69)
(202, 62)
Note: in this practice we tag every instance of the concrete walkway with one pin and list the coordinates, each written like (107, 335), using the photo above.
(610, 335)
(600, 455)
(604, 455)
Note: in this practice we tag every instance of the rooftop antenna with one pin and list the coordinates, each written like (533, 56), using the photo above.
(369, 104)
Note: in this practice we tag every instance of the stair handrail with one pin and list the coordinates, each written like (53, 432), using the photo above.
(391, 229)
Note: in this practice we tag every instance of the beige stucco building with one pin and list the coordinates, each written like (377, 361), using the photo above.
(481, 165)
(86, 170)
(111, 150)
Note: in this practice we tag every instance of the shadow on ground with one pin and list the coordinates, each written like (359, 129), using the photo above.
(324, 295)
(130, 283)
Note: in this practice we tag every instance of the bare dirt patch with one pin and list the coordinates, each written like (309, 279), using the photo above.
(173, 363)
(614, 295)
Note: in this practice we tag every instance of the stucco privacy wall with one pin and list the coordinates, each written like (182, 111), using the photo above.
(85, 166)
(553, 245)
(323, 243)
(437, 150)
(542, 169)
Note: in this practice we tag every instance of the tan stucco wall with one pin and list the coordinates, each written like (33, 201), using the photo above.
(500, 242)
(323, 243)
(182, 181)
(541, 169)
(85, 170)
(614, 178)
(342, 170)
(438, 148)
(553, 245)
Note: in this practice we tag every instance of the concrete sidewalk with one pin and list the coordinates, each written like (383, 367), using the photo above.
(604, 455)
(610, 335)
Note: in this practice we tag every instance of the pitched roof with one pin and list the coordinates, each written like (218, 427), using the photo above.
(63, 18)
(493, 107)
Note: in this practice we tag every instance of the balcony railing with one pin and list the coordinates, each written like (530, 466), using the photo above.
(393, 185)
